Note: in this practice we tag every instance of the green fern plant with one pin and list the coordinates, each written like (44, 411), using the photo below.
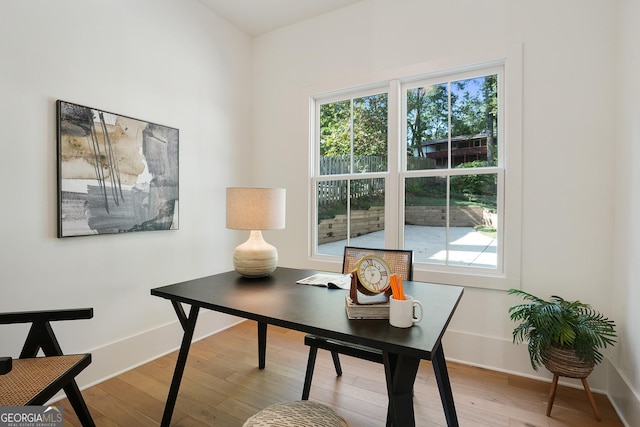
(560, 323)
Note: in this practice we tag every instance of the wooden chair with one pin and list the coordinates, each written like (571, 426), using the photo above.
(32, 380)
(401, 263)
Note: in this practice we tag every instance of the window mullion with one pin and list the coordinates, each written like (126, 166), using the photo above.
(351, 169)
(351, 131)
(348, 211)
(449, 143)
(447, 232)
(394, 200)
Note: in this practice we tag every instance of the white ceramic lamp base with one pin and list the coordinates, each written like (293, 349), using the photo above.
(255, 257)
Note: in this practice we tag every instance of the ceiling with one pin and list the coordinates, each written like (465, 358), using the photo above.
(256, 17)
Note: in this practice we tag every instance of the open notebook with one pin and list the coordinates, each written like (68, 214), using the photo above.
(328, 280)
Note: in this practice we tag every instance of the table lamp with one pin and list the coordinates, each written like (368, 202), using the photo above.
(255, 209)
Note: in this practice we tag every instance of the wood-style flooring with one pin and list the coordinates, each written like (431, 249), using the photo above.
(222, 386)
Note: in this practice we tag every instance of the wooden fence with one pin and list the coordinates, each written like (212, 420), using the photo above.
(334, 192)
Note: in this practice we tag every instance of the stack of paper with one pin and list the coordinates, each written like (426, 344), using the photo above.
(366, 311)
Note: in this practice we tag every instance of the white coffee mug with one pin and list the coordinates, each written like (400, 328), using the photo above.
(402, 313)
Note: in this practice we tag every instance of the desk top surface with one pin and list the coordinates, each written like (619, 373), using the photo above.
(278, 300)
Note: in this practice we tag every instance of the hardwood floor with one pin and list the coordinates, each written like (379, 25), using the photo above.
(222, 387)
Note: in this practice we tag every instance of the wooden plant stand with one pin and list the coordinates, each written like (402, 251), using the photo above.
(564, 363)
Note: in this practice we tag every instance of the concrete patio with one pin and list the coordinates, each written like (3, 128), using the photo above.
(467, 247)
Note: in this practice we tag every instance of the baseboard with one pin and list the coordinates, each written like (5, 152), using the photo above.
(501, 355)
(118, 357)
(624, 398)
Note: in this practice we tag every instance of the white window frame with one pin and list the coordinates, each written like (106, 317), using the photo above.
(509, 169)
(448, 172)
(349, 94)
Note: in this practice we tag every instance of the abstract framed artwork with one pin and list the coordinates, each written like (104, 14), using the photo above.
(116, 174)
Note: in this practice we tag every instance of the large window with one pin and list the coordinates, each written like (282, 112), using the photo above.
(352, 135)
(453, 169)
(415, 164)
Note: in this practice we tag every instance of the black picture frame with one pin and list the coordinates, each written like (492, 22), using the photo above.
(116, 174)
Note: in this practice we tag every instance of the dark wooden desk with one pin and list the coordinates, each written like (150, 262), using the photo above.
(278, 300)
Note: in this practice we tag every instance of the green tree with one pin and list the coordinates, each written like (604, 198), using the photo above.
(415, 128)
(369, 122)
(477, 188)
(335, 128)
(427, 116)
(490, 90)
(467, 109)
(370, 125)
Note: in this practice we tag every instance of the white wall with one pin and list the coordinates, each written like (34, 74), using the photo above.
(171, 62)
(568, 103)
(625, 373)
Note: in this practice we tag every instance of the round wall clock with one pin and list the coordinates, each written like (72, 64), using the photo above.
(374, 275)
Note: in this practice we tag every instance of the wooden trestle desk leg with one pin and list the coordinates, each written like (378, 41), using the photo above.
(262, 345)
(444, 386)
(188, 325)
(400, 372)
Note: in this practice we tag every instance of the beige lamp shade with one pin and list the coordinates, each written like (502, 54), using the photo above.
(255, 209)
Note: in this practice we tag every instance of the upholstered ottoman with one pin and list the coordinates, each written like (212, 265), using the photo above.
(302, 413)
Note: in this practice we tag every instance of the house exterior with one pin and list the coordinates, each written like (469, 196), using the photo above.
(464, 149)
